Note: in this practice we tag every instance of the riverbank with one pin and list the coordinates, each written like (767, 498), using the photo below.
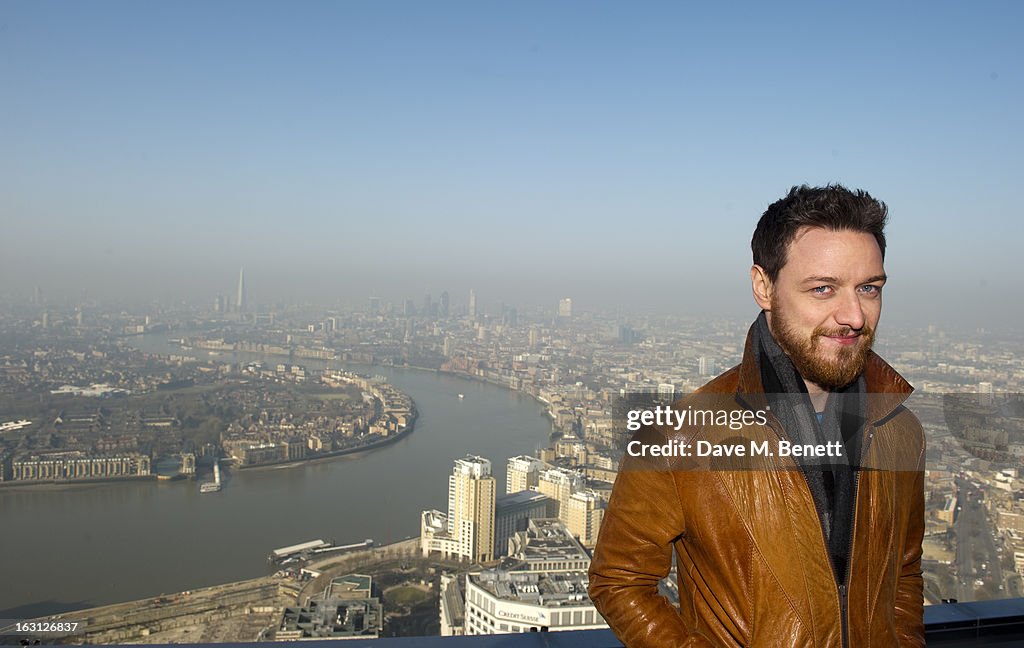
(241, 611)
(469, 378)
(334, 454)
(67, 484)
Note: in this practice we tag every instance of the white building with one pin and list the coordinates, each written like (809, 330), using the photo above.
(467, 531)
(434, 536)
(521, 473)
(500, 602)
(542, 587)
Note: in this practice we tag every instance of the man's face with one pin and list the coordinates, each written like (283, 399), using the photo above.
(825, 304)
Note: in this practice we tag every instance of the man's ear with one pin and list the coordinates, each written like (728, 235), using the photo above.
(762, 287)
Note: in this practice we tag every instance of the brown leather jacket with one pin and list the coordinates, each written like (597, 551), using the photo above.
(753, 567)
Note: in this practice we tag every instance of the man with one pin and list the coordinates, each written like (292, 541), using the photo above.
(816, 550)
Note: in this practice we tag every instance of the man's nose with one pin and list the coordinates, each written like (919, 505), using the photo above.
(850, 311)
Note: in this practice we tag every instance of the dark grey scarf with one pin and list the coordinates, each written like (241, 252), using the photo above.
(832, 481)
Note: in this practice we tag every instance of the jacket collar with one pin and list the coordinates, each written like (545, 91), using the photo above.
(885, 388)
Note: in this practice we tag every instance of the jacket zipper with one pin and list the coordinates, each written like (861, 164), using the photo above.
(844, 610)
(843, 589)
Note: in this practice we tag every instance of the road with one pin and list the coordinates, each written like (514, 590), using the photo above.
(976, 555)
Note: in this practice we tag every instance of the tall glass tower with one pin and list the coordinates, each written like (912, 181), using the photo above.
(241, 291)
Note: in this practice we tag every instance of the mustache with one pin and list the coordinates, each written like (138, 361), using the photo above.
(843, 331)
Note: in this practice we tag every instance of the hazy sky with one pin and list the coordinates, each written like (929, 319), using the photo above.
(609, 151)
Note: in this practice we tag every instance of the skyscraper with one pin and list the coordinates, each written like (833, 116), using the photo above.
(471, 496)
(445, 304)
(467, 531)
(472, 304)
(240, 303)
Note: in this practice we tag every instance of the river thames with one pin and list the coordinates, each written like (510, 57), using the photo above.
(69, 547)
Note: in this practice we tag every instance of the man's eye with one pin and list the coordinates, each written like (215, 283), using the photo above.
(871, 290)
(821, 290)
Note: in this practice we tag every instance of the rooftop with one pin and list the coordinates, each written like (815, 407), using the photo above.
(550, 590)
(956, 625)
(545, 540)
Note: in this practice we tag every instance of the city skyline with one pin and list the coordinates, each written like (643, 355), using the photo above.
(899, 315)
(613, 155)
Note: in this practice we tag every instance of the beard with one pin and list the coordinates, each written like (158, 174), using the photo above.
(828, 372)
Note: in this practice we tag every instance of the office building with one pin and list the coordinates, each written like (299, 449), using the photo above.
(541, 587)
(512, 514)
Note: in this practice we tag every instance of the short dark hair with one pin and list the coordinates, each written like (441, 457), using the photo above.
(833, 207)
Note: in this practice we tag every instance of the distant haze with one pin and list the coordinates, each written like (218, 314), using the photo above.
(612, 154)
